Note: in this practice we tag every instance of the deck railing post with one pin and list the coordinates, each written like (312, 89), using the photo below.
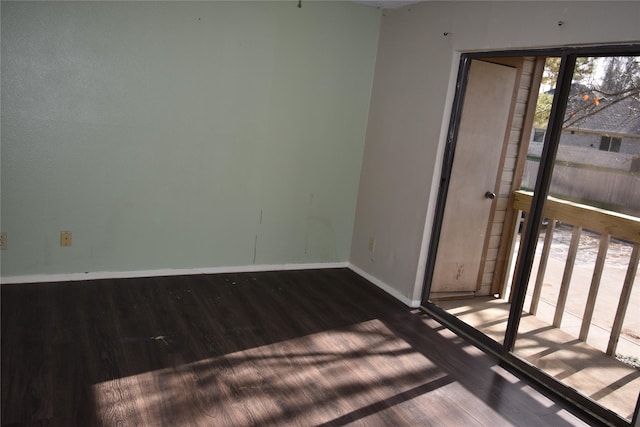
(595, 285)
(566, 277)
(542, 267)
(625, 295)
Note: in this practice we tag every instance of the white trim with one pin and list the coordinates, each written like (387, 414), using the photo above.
(432, 202)
(388, 289)
(38, 278)
(70, 277)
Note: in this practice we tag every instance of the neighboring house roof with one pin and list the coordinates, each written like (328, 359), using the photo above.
(605, 115)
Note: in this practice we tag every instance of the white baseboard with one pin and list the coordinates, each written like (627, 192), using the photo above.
(388, 289)
(71, 277)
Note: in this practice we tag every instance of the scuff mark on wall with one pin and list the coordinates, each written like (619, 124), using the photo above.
(255, 248)
(306, 238)
(255, 240)
(322, 237)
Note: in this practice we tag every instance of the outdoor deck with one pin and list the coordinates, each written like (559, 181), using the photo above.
(580, 311)
(604, 379)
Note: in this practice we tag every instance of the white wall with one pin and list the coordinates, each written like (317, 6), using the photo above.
(412, 95)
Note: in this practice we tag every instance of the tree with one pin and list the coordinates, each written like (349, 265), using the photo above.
(598, 84)
(620, 83)
(584, 67)
(543, 109)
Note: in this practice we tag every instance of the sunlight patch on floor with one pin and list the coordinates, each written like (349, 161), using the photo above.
(338, 368)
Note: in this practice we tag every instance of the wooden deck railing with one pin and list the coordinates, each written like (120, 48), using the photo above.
(607, 224)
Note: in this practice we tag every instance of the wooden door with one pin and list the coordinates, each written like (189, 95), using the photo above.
(474, 177)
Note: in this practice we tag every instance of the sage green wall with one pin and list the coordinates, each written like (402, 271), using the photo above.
(179, 134)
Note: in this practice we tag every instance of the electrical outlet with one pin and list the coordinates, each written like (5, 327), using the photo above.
(372, 244)
(65, 238)
(3, 240)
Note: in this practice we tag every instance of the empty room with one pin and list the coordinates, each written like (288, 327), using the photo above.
(235, 213)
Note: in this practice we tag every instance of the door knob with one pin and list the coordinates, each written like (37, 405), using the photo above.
(490, 195)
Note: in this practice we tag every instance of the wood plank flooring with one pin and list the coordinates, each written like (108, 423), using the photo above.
(315, 347)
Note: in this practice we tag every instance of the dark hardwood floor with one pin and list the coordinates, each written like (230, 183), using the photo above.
(316, 347)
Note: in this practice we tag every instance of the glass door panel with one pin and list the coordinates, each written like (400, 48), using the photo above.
(462, 281)
(580, 321)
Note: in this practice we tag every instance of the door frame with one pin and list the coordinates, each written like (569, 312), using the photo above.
(504, 352)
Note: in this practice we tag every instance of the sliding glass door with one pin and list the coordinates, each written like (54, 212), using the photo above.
(536, 236)
(580, 322)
